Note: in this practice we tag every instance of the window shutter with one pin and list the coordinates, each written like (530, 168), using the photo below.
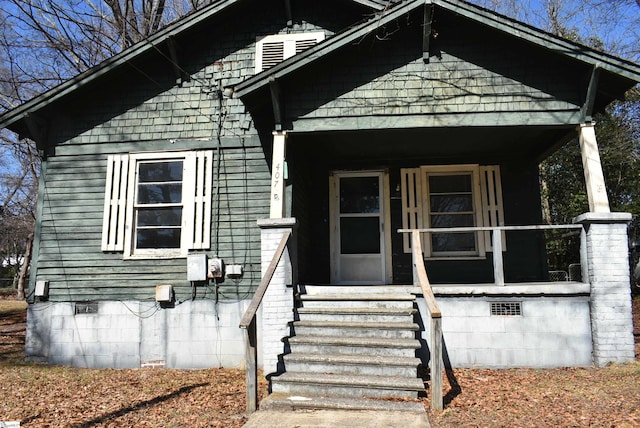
(411, 194)
(492, 210)
(115, 201)
(201, 236)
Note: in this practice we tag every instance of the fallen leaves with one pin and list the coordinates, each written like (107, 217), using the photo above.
(43, 396)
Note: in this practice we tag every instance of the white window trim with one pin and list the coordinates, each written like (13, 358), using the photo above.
(289, 42)
(445, 170)
(120, 189)
(487, 200)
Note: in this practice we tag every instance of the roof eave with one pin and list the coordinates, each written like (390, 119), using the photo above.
(547, 40)
(150, 43)
(610, 63)
(282, 69)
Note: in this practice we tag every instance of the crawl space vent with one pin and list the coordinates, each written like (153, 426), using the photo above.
(506, 309)
(86, 308)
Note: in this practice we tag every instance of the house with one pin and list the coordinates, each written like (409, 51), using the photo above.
(171, 170)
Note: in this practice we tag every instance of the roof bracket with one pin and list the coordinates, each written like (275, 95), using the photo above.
(426, 30)
(592, 89)
(181, 75)
(287, 6)
(276, 102)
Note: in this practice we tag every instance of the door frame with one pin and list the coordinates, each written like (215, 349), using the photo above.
(334, 215)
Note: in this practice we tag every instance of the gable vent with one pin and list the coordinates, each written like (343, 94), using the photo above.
(506, 309)
(272, 53)
(274, 49)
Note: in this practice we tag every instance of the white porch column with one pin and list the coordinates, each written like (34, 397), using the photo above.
(593, 176)
(277, 304)
(605, 260)
(277, 175)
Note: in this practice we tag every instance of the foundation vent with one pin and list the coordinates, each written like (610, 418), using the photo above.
(506, 309)
(86, 308)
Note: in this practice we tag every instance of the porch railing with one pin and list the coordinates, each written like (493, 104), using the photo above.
(420, 278)
(248, 324)
(496, 236)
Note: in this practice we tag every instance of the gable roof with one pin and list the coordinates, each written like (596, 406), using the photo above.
(388, 10)
(150, 44)
(576, 51)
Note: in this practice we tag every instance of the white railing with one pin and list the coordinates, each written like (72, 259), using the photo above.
(496, 235)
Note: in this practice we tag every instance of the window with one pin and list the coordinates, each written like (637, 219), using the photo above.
(451, 196)
(451, 203)
(271, 50)
(157, 204)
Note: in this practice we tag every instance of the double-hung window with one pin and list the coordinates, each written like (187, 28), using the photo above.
(157, 204)
(451, 196)
(452, 202)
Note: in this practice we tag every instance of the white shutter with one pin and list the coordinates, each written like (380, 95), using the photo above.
(201, 220)
(411, 194)
(492, 210)
(115, 203)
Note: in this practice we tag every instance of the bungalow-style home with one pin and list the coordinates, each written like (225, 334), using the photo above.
(172, 171)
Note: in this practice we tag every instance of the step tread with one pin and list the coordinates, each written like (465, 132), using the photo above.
(353, 359)
(356, 341)
(382, 382)
(357, 324)
(282, 401)
(358, 311)
(358, 297)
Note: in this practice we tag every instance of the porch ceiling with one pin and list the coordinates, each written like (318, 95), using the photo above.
(461, 145)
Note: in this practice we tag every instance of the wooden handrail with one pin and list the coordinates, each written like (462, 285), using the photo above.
(248, 324)
(421, 275)
(251, 311)
(421, 278)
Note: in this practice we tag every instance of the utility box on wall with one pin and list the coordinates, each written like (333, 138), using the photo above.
(164, 293)
(197, 267)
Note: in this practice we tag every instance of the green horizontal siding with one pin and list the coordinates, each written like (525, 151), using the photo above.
(69, 250)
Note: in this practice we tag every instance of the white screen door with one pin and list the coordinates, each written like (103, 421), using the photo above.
(358, 241)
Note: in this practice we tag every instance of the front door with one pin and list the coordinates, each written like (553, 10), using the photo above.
(358, 228)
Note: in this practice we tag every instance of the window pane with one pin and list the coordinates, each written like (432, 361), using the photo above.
(452, 220)
(451, 203)
(450, 183)
(160, 217)
(165, 193)
(360, 235)
(359, 195)
(443, 242)
(160, 171)
(158, 238)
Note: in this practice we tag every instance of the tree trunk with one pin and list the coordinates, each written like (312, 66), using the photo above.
(24, 269)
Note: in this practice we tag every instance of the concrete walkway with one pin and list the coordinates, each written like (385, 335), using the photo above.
(336, 419)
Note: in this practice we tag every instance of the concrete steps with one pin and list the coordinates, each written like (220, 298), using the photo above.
(351, 348)
(280, 401)
(334, 385)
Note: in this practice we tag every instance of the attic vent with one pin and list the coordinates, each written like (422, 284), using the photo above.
(272, 50)
(506, 309)
(86, 308)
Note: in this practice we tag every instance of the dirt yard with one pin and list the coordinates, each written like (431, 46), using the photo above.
(45, 396)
